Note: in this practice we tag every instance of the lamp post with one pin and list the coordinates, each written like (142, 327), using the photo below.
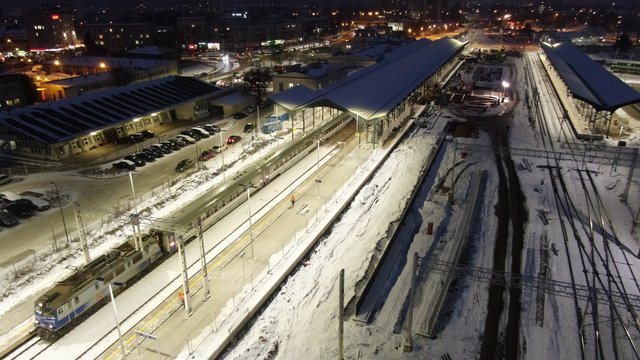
(64, 223)
(197, 157)
(115, 312)
(136, 235)
(505, 86)
(358, 147)
(318, 150)
(249, 187)
(222, 153)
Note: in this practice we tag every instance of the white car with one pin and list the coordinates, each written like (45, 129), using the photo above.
(188, 139)
(219, 148)
(202, 131)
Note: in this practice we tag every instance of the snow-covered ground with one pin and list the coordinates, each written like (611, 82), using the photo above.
(301, 320)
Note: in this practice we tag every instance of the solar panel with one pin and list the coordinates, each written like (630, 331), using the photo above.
(85, 109)
(139, 93)
(111, 108)
(86, 119)
(166, 99)
(181, 89)
(129, 101)
(132, 110)
(43, 125)
(30, 130)
(66, 123)
(175, 95)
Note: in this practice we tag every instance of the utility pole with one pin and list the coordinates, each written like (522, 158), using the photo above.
(340, 319)
(203, 260)
(83, 239)
(453, 171)
(185, 276)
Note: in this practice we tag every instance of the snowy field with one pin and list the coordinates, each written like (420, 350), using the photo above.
(301, 320)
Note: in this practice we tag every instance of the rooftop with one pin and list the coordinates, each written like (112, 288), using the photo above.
(375, 91)
(62, 120)
(589, 81)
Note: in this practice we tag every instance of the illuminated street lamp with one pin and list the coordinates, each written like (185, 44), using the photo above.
(115, 312)
(505, 86)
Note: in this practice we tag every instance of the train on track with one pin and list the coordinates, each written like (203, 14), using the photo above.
(73, 299)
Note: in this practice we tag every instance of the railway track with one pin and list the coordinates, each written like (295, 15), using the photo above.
(220, 259)
(588, 230)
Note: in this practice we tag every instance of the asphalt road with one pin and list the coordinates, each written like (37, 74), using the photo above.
(35, 234)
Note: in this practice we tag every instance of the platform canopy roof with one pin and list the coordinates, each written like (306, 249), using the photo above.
(589, 81)
(375, 91)
(62, 120)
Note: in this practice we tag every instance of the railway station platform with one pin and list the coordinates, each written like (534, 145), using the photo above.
(242, 273)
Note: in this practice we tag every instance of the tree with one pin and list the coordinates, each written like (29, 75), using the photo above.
(256, 81)
(623, 43)
(30, 89)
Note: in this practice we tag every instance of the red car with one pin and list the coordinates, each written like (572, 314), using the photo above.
(233, 139)
(206, 155)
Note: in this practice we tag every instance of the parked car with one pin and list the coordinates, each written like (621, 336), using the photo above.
(155, 150)
(200, 131)
(173, 145)
(165, 149)
(7, 219)
(239, 115)
(137, 159)
(40, 204)
(20, 210)
(147, 156)
(27, 203)
(206, 155)
(184, 164)
(179, 141)
(124, 165)
(212, 129)
(219, 148)
(187, 139)
(250, 109)
(148, 134)
(194, 135)
(248, 127)
(136, 138)
(5, 179)
(149, 153)
(233, 139)
(127, 139)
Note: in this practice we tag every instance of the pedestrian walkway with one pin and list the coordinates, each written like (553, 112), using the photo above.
(246, 255)
(275, 227)
(578, 121)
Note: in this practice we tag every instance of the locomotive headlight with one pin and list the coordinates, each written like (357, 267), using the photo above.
(172, 244)
(50, 326)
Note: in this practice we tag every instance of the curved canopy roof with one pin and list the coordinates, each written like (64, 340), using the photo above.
(589, 81)
(66, 119)
(376, 90)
